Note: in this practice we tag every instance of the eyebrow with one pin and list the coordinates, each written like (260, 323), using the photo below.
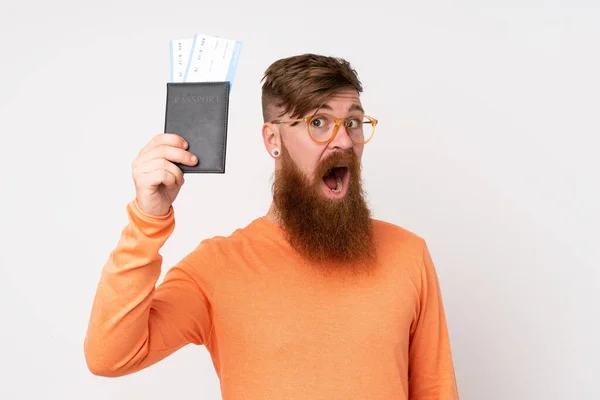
(353, 107)
(356, 107)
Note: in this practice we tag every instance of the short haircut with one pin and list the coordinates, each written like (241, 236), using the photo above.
(304, 82)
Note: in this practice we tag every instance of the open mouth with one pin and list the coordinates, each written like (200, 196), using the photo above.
(335, 179)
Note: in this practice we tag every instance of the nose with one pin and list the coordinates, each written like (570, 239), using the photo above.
(342, 139)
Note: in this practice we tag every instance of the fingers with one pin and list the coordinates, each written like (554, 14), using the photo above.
(169, 153)
(157, 171)
(168, 139)
(155, 164)
(155, 179)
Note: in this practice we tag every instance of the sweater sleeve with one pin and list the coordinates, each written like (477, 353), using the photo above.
(133, 323)
(431, 369)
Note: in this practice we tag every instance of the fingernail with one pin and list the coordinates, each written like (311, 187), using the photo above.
(185, 145)
(193, 158)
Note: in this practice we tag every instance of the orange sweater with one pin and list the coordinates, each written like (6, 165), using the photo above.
(275, 329)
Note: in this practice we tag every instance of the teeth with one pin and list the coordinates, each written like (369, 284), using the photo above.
(338, 189)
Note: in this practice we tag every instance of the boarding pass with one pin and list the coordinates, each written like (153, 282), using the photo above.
(204, 58)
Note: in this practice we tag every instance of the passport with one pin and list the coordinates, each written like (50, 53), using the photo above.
(198, 112)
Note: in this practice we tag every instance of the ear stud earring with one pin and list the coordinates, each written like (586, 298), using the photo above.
(275, 152)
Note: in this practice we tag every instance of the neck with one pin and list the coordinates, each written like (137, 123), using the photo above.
(272, 215)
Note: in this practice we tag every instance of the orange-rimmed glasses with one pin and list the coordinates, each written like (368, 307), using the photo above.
(322, 128)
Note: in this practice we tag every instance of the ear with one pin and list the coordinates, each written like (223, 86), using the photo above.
(272, 139)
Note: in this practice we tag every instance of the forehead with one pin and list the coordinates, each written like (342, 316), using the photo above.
(343, 101)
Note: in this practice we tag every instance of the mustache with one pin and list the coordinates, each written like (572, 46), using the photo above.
(338, 159)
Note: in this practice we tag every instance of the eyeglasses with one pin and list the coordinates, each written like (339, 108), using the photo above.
(322, 128)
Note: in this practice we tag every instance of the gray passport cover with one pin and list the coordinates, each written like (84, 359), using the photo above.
(198, 112)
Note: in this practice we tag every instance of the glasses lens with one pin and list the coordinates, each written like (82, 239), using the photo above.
(366, 130)
(321, 127)
(359, 129)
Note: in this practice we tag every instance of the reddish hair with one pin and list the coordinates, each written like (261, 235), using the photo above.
(302, 83)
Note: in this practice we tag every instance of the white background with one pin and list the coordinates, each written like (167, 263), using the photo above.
(487, 148)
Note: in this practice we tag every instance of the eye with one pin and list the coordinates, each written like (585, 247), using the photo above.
(354, 123)
(318, 122)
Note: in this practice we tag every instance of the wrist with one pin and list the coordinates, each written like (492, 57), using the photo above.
(151, 214)
(147, 225)
(150, 217)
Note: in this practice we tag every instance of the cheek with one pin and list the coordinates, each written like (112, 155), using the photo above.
(306, 156)
(309, 164)
(358, 151)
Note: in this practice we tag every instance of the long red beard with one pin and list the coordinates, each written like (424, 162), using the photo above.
(322, 230)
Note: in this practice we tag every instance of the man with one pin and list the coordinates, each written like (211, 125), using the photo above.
(314, 300)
